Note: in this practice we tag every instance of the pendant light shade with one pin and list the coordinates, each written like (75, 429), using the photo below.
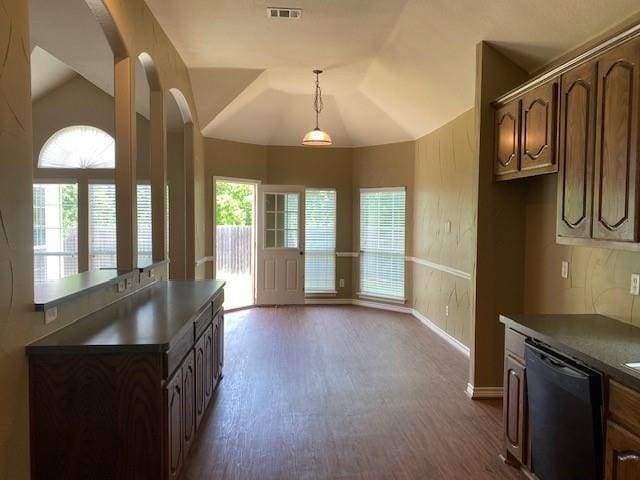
(317, 137)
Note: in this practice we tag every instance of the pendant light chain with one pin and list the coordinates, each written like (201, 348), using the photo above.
(317, 103)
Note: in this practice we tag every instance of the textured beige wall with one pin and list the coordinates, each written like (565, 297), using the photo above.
(443, 181)
(19, 324)
(598, 278)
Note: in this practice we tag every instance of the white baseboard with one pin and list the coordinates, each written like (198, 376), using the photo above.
(483, 392)
(436, 329)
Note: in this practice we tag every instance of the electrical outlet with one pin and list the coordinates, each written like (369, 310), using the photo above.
(447, 227)
(446, 310)
(342, 283)
(50, 315)
(120, 286)
(565, 269)
(151, 274)
(634, 289)
(129, 283)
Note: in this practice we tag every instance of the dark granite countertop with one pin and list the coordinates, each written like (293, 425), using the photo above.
(146, 321)
(601, 342)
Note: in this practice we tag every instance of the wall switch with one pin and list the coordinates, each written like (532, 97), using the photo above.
(565, 269)
(50, 315)
(129, 283)
(341, 283)
(446, 310)
(120, 287)
(635, 284)
(447, 227)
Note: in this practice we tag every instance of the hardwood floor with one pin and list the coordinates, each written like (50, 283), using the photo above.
(345, 393)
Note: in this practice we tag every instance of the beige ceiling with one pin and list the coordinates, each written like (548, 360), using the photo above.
(395, 70)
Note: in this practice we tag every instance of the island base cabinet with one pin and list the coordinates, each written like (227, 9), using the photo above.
(622, 454)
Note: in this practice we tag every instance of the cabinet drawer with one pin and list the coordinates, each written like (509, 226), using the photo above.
(514, 343)
(624, 406)
(202, 322)
(179, 350)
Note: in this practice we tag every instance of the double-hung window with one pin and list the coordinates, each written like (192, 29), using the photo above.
(320, 241)
(145, 235)
(55, 231)
(102, 226)
(382, 242)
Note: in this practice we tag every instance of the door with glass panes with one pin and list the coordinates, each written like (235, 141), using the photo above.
(280, 259)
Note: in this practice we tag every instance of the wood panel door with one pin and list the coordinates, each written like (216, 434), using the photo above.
(538, 129)
(622, 454)
(220, 344)
(576, 151)
(209, 359)
(515, 409)
(201, 371)
(174, 422)
(616, 156)
(507, 146)
(216, 355)
(188, 401)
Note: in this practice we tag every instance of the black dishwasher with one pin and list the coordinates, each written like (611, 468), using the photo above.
(565, 413)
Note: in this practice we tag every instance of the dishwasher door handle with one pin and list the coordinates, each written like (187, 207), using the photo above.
(559, 366)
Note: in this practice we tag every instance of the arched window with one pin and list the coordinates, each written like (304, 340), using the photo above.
(78, 146)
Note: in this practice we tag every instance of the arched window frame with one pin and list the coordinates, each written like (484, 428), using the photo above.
(107, 146)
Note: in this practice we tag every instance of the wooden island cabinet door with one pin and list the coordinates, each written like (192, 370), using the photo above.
(188, 401)
(616, 156)
(201, 370)
(576, 150)
(622, 454)
(209, 370)
(538, 129)
(174, 450)
(507, 161)
(514, 409)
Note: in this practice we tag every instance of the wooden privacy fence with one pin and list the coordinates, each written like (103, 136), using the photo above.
(233, 249)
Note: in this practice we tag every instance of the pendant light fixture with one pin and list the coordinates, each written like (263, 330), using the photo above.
(317, 137)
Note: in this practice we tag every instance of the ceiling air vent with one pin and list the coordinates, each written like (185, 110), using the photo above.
(281, 12)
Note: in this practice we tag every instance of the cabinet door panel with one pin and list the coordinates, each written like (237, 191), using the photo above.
(175, 453)
(616, 144)
(515, 408)
(200, 379)
(209, 359)
(539, 129)
(507, 127)
(576, 150)
(622, 454)
(188, 401)
(221, 345)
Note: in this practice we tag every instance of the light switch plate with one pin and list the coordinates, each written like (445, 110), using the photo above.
(634, 289)
(120, 286)
(565, 269)
(342, 283)
(447, 227)
(446, 310)
(129, 283)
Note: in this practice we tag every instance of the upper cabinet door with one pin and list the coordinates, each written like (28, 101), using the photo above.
(538, 138)
(506, 161)
(576, 150)
(616, 156)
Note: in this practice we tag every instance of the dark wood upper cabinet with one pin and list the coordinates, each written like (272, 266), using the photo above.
(576, 152)
(616, 156)
(538, 129)
(507, 161)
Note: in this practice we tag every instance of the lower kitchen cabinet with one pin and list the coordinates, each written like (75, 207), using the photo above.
(515, 408)
(126, 410)
(622, 454)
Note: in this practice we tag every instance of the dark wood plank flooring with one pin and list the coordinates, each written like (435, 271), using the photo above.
(344, 393)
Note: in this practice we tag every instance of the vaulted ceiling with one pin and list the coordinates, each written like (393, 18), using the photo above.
(394, 70)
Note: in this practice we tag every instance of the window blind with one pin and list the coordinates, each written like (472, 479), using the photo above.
(55, 231)
(320, 241)
(102, 226)
(382, 242)
(145, 238)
